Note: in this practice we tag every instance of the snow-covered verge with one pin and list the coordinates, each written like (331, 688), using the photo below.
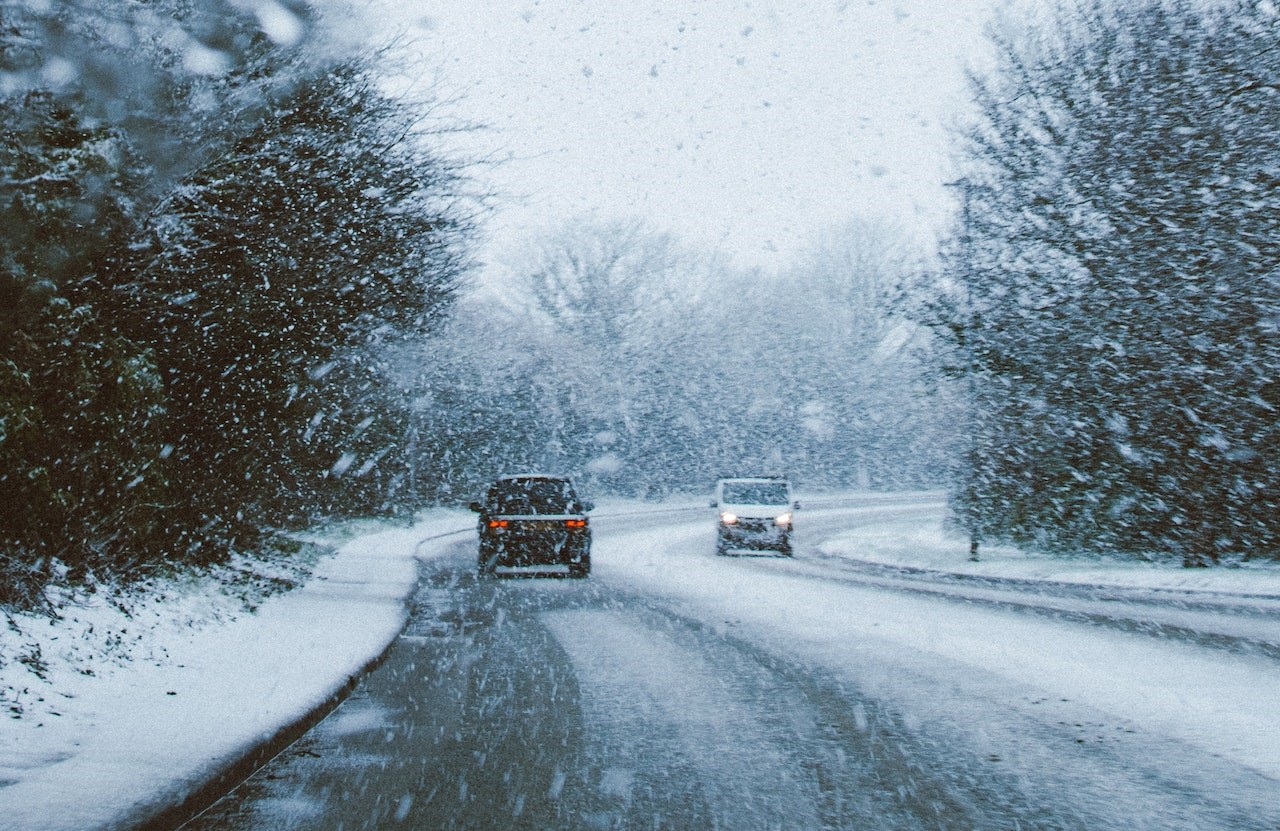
(902, 536)
(125, 706)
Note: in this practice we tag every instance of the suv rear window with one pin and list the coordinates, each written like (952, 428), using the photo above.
(532, 496)
(754, 493)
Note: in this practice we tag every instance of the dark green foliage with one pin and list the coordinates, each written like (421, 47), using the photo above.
(1117, 297)
(79, 451)
(196, 326)
(268, 288)
(79, 445)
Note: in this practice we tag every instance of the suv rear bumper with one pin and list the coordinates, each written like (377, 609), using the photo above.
(534, 543)
(526, 552)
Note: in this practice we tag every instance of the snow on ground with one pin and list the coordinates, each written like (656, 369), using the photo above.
(136, 710)
(139, 708)
(906, 648)
(906, 541)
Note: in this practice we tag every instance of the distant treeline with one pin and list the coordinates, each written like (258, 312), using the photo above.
(613, 353)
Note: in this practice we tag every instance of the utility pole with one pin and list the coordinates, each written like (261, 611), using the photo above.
(972, 511)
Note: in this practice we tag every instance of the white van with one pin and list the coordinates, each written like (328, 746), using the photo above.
(754, 512)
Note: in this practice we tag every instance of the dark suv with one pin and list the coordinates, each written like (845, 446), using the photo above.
(531, 519)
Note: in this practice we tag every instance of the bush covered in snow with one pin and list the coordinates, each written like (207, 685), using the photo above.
(217, 223)
(93, 628)
(1111, 295)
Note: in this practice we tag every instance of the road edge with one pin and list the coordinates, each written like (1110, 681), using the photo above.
(173, 812)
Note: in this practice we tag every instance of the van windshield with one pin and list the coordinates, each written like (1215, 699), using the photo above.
(754, 493)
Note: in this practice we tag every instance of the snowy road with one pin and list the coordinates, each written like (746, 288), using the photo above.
(677, 689)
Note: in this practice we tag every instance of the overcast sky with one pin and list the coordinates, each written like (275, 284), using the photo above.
(746, 126)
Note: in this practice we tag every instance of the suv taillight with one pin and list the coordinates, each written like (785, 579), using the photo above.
(576, 523)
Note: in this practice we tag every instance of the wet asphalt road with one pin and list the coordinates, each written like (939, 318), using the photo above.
(477, 720)
(532, 703)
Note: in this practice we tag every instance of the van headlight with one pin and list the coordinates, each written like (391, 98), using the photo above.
(728, 518)
(783, 519)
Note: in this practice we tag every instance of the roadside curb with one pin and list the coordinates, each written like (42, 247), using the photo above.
(172, 813)
(233, 773)
(1025, 581)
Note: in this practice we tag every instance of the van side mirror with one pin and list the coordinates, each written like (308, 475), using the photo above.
(587, 505)
(712, 504)
(795, 505)
(477, 507)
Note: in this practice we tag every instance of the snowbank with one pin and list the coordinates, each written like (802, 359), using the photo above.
(917, 540)
(106, 743)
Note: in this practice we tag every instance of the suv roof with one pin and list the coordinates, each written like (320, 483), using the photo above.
(533, 493)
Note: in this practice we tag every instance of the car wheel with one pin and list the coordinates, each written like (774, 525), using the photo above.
(785, 547)
(722, 546)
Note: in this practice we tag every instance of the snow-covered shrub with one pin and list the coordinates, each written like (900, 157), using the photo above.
(1111, 291)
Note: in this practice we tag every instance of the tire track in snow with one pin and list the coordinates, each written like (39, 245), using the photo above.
(646, 698)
